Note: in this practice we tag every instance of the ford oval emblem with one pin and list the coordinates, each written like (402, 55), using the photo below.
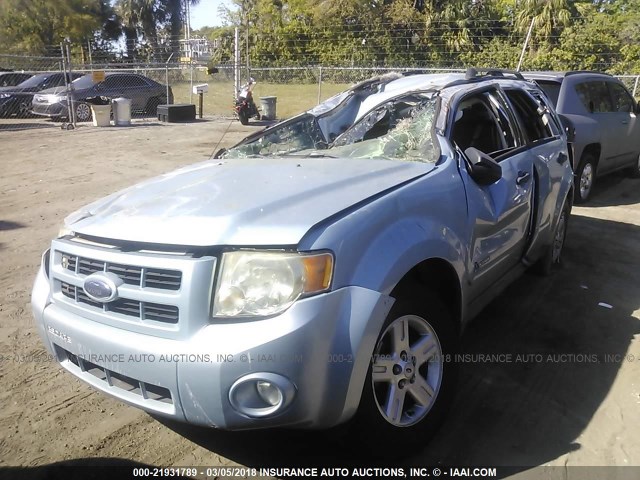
(102, 287)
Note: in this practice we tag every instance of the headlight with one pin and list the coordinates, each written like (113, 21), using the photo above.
(264, 283)
(5, 95)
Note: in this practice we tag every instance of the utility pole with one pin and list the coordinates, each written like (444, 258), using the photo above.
(236, 63)
(526, 43)
(187, 23)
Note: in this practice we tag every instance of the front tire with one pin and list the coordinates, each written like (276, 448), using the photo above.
(585, 178)
(411, 378)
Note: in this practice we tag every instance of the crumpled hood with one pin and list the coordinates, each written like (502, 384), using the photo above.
(252, 201)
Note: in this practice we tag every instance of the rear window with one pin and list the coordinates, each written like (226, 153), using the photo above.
(595, 96)
(551, 90)
(526, 108)
(83, 82)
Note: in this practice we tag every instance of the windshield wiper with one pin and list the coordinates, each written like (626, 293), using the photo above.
(311, 155)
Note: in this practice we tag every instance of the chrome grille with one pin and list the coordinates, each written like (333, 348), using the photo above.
(131, 275)
(124, 306)
(161, 293)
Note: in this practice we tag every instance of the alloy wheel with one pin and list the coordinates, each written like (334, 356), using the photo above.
(83, 112)
(407, 370)
(586, 180)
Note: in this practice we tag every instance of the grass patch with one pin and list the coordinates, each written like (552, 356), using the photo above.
(292, 98)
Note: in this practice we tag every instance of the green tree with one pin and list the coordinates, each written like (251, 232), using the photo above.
(38, 26)
(550, 17)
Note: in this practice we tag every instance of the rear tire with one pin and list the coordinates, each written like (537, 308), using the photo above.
(585, 178)
(634, 172)
(24, 110)
(411, 377)
(83, 112)
(152, 107)
(243, 117)
(552, 259)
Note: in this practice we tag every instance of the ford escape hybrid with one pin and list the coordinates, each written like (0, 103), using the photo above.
(319, 272)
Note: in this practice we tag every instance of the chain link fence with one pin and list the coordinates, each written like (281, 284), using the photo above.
(150, 84)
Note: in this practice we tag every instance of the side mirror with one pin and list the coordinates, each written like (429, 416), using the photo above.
(484, 169)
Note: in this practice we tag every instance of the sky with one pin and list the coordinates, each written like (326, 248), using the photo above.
(206, 14)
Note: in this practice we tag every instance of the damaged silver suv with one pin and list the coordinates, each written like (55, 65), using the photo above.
(321, 271)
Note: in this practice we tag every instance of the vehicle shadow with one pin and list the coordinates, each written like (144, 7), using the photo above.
(13, 126)
(9, 225)
(539, 362)
(80, 469)
(566, 347)
(615, 189)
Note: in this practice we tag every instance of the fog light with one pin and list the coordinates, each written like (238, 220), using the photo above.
(261, 394)
(269, 392)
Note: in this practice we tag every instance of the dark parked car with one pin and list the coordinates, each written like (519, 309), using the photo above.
(11, 79)
(603, 113)
(17, 100)
(145, 95)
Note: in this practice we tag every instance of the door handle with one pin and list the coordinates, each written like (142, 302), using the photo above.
(624, 122)
(523, 177)
(562, 157)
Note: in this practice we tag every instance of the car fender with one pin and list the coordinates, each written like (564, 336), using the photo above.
(587, 132)
(378, 243)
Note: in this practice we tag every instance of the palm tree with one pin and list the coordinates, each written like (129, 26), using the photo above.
(127, 10)
(140, 17)
(549, 18)
(176, 13)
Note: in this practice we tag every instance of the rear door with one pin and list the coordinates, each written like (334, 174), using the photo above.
(111, 86)
(499, 213)
(137, 89)
(547, 148)
(626, 124)
(596, 98)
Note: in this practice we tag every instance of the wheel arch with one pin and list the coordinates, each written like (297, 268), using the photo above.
(438, 276)
(594, 149)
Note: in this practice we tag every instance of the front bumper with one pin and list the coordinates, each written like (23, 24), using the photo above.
(49, 109)
(322, 345)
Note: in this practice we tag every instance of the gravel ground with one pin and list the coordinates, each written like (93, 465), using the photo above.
(551, 377)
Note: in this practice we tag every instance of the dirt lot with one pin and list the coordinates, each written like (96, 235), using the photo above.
(569, 396)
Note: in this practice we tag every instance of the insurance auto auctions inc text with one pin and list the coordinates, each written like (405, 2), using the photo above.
(375, 472)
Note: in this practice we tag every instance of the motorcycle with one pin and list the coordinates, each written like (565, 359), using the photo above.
(245, 106)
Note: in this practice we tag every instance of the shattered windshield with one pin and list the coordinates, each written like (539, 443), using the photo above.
(399, 129)
(299, 134)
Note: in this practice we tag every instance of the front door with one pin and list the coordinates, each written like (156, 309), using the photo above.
(499, 213)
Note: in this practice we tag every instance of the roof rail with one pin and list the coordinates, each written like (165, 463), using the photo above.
(491, 72)
(575, 72)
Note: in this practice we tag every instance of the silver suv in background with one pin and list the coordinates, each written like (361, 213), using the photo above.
(604, 116)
